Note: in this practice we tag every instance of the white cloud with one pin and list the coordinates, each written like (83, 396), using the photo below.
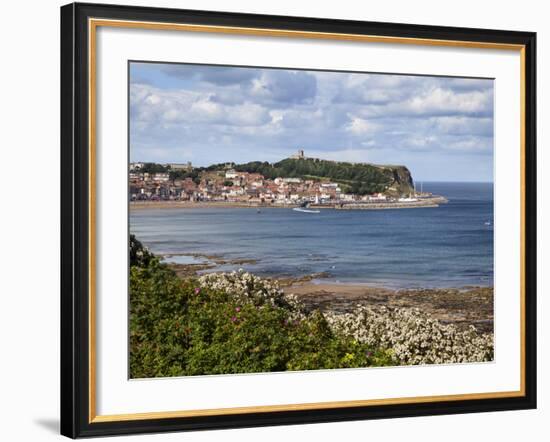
(267, 114)
(160, 106)
(440, 101)
(462, 125)
(360, 126)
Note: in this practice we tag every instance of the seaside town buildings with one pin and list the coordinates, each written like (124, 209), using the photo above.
(181, 182)
(235, 186)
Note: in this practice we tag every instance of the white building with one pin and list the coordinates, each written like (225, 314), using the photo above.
(376, 197)
(231, 173)
(292, 180)
(181, 166)
(136, 166)
(235, 191)
(161, 177)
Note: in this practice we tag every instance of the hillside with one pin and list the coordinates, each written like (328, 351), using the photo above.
(359, 178)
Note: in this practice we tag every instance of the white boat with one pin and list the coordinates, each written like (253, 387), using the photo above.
(304, 207)
(299, 209)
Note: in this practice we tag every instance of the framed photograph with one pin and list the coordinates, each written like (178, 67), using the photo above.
(274, 220)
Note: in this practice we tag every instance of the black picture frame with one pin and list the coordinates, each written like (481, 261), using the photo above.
(75, 220)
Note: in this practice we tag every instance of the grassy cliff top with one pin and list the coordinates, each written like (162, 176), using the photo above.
(359, 178)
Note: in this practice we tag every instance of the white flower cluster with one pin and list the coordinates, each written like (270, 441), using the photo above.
(245, 287)
(412, 336)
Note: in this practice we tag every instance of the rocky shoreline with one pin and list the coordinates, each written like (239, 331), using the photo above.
(209, 262)
(461, 307)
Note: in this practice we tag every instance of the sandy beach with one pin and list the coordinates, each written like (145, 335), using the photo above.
(143, 205)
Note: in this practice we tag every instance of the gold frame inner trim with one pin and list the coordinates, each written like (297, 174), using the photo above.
(93, 24)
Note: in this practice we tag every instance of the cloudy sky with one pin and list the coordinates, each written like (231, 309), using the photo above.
(441, 128)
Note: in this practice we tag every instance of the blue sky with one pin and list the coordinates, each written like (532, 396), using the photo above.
(441, 128)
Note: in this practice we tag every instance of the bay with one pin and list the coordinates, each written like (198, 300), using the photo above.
(447, 246)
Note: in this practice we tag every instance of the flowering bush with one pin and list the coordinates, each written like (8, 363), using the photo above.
(247, 288)
(239, 323)
(229, 323)
(412, 336)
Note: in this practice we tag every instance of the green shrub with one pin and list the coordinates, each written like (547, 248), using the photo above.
(139, 255)
(181, 328)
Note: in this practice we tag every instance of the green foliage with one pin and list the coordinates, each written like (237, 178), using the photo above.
(178, 328)
(154, 168)
(182, 174)
(358, 178)
(139, 255)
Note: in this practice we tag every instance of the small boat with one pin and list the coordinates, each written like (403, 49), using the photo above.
(487, 223)
(299, 209)
(304, 207)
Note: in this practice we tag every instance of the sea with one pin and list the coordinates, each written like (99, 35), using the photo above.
(442, 247)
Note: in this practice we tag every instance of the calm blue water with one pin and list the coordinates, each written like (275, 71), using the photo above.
(448, 246)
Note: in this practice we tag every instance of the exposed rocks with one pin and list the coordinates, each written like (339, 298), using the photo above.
(461, 307)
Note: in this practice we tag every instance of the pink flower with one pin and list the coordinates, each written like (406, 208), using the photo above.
(233, 319)
(237, 309)
(197, 290)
